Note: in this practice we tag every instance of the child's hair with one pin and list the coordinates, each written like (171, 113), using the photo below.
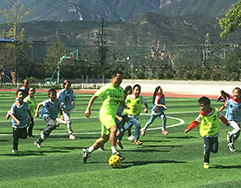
(127, 88)
(154, 93)
(204, 100)
(51, 91)
(65, 82)
(137, 85)
(18, 91)
(25, 80)
(239, 90)
(115, 72)
(32, 88)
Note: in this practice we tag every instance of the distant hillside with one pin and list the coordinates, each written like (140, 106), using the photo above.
(142, 30)
(212, 8)
(118, 10)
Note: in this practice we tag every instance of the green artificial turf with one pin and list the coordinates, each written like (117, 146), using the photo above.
(174, 160)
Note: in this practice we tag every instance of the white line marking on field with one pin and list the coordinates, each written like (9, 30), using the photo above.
(174, 125)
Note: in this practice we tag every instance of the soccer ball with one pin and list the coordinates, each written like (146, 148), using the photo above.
(114, 161)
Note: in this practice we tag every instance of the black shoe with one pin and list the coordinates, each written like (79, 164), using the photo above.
(86, 155)
(121, 157)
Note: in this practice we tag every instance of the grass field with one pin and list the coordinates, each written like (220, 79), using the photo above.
(174, 160)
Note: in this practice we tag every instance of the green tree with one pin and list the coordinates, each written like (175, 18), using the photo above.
(14, 55)
(232, 20)
(230, 67)
(54, 53)
(13, 15)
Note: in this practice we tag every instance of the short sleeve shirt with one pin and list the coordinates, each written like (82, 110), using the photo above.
(111, 98)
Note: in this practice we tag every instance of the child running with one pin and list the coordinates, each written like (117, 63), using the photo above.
(233, 115)
(49, 113)
(31, 100)
(158, 109)
(19, 114)
(209, 127)
(134, 103)
(67, 99)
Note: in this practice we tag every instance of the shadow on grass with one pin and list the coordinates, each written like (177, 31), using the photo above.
(32, 153)
(180, 137)
(227, 167)
(4, 140)
(140, 163)
(144, 141)
(161, 146)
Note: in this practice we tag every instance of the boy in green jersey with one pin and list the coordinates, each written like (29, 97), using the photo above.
(209, 127)
(112, 95)
(31, 99)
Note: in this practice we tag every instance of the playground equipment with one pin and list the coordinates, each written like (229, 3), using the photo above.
(72, 56)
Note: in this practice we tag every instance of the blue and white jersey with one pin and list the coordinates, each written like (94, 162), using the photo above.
(156, 110)
(233, 112)
(50, 109)
(21, 113)
(66, 97)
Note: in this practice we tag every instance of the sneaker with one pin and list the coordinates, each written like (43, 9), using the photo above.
(71, 136)
(37, 144)
(86, 155)
(164, 132)
(228, 137)
(206, 165)
(8, 115)
(131, 138)
(143, 132)
(15, 151)
(138, 142)
(231, 147)
(42, 135)
(119, 145)
(101, 148)
(121, 157)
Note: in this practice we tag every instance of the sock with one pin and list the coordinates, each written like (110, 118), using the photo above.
(113, 149)
(91, 149)
(61, 121)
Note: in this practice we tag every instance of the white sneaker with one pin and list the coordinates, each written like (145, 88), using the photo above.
(231, 147)
(15, 151)
(131, 137)
(71, 136)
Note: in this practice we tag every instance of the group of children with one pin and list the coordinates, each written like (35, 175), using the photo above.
(25, 107)
(127, 115)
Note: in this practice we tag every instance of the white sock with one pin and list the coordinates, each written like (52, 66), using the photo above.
(61, 121)
(113, 149)
(91, 149)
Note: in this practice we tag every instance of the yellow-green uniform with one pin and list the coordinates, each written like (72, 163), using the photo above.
(32, 105)
(111, 98)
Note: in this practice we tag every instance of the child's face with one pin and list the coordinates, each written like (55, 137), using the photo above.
(136, 91)
(204, 107)
(20, 96)
(31, 92)
(67, 86)
(160, 91)
(236, 95)
(52, 96)
(116, 80)
(25, 82)
(129, 92)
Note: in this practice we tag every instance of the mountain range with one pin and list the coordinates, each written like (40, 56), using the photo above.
(117, 10)
(133, 23)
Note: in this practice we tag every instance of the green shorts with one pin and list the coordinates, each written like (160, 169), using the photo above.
(107, 122)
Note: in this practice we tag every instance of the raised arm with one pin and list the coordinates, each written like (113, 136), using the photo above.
(91, 101)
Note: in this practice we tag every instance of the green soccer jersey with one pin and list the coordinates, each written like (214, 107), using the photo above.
(111, 97)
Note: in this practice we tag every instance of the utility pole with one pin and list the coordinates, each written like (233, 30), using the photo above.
(102, 34)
